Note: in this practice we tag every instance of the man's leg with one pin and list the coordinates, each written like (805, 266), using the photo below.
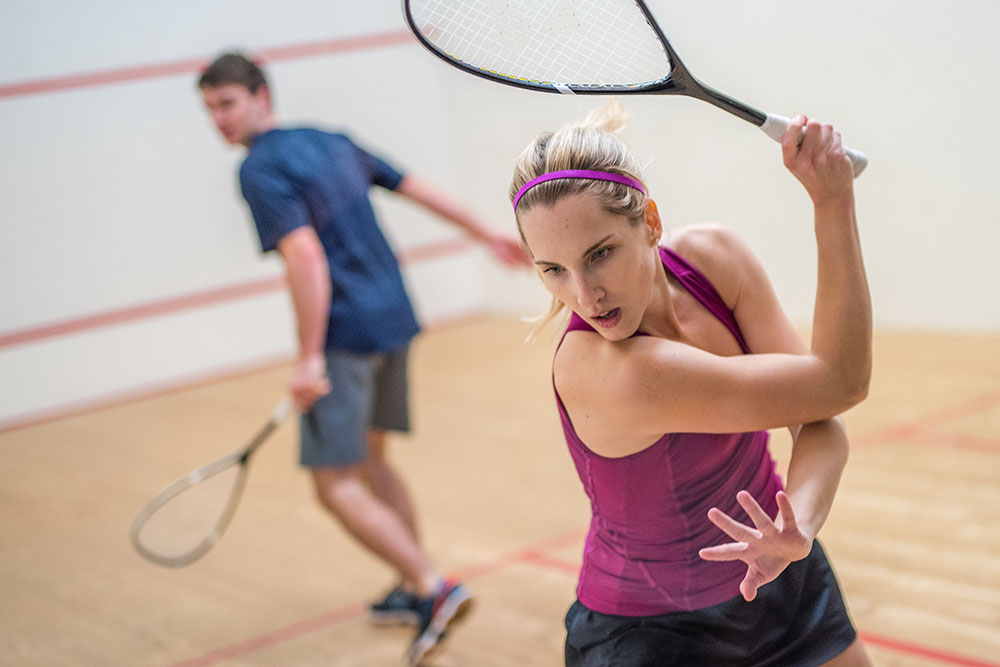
(375, 525)
(386, 484)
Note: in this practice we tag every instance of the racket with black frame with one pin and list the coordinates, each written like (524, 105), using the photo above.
(590, 47)
(184, 521)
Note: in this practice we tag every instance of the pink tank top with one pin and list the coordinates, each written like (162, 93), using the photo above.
(649, 509)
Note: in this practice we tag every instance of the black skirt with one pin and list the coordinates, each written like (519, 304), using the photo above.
(797, 620)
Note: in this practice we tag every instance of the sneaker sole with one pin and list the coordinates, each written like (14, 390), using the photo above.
(394, 618)
(454, 610)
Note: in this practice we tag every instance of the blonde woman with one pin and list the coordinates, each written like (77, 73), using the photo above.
(676, 361)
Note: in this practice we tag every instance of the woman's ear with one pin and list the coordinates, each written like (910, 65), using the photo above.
(653, 223)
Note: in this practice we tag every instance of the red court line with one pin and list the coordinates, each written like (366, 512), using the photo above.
(533, 554)
(945, 657)
(952, 412)
(357, 609)
(278, 636)
(199, 299)
(546, 561)
(957, 441)
(194, 65)
(924, 423)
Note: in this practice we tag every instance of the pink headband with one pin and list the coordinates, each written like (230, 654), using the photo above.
(578, 173)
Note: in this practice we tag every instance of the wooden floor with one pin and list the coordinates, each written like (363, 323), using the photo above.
(914, 536)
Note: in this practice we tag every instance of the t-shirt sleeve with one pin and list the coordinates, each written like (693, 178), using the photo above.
(276, 208)
(378, 170)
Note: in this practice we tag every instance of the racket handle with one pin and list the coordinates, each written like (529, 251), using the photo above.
(775, 127)
(281, 410)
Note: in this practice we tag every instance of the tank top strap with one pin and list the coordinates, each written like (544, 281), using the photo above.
(695, 282)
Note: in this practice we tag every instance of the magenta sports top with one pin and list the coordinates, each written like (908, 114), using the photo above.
(650, 509)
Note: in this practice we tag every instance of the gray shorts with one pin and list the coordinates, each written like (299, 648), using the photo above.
(368, 392)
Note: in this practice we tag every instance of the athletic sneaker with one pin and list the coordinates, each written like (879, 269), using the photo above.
(438, 614)
(398, 608)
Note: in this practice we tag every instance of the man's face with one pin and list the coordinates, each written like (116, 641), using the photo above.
(238, 114)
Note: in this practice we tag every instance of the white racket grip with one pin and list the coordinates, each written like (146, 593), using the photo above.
(281, 410)
(774, 126)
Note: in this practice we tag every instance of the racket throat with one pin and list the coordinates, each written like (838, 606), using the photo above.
(691, 87)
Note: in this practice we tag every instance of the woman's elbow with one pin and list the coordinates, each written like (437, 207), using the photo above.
(858, 387)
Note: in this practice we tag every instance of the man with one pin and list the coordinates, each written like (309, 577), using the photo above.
(308, 193)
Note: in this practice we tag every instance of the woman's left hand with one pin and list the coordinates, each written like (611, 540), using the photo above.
(767, 548)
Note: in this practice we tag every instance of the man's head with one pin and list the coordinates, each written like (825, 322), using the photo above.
(237, 96)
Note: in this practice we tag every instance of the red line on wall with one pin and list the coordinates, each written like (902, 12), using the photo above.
(194, 65)
(175, 384)
(430, 251)
(145, 391)
(199, 299)
(142, 311)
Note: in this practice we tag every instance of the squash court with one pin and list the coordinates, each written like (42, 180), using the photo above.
(912, 534)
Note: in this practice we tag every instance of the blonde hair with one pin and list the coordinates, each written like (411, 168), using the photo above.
(591, 145)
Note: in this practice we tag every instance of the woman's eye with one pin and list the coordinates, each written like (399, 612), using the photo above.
(552, 270)
(601, 254)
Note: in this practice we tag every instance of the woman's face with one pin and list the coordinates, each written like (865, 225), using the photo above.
(595, 262)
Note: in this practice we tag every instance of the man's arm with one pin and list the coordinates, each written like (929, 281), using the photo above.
(308, 277)
(507, 249)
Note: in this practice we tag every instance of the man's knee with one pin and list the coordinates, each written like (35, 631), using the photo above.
(336, 487)
(376, 445)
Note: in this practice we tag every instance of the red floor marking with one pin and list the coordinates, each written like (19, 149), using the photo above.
(957, 441)
(533, 554)
(950, 413)
(519, 556)
(917, 426)
(924, 652)
(356, 609)
(548, 562)
(278, 636)
(195, 65)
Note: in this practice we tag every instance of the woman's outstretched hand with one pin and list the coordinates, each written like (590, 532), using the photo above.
(767, 548)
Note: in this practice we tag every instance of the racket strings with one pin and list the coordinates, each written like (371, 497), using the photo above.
(190, 520)
(576, 43)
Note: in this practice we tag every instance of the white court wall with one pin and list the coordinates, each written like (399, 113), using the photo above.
(120, 195)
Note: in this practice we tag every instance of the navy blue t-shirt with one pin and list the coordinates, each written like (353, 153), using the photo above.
(297, 177)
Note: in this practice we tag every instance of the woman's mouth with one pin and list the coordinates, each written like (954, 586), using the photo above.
(608, 319)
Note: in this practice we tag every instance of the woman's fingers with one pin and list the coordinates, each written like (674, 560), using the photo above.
(725, 552)
(786, 512)
(759, 517)
(732, 527)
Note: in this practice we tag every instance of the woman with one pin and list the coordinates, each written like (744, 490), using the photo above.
(676, 361)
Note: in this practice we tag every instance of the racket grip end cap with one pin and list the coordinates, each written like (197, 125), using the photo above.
(774, 126)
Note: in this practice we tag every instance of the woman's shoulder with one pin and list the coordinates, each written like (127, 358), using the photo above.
(705, 242)
(718, 252)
